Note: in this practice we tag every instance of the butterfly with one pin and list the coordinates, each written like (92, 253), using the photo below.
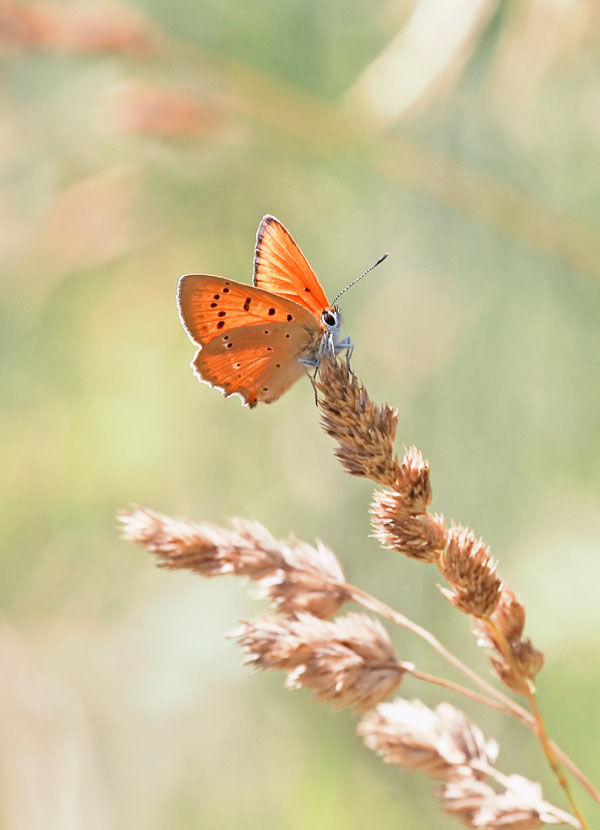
(256, 341)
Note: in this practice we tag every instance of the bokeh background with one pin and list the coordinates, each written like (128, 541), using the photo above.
(146, 140)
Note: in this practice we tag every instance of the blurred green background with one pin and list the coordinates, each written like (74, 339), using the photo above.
(144, 141)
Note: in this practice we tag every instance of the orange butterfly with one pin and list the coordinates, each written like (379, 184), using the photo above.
(256, 341)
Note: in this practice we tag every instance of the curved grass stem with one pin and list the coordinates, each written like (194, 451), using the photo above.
(532, 720)
(538, 723)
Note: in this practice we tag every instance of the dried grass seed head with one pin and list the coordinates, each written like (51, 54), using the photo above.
(471, 571)
(294, 575)
(504, 629)
(442, 743)
(517, 671)
(312, 581)
(519, 806)
(509, 615)
(180, 543)
(349, 661)
(414, 481)
(395, 527)
(364, 431)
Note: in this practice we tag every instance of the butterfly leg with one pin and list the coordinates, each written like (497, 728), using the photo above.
(308, 364)
(347, 346)
(349, 353)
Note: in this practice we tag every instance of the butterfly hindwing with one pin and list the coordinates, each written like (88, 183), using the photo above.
(258, 363)
(281, 267)
(211, 306)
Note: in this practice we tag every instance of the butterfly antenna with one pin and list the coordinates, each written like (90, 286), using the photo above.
(364, 274)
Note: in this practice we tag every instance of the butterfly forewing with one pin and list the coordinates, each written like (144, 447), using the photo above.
(211, 306)
(281, 267)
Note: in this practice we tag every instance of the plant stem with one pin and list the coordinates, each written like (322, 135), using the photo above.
(552, 759)
(538, 725)
(372, 603)
(533, 721)
(462, 690)
(574, 770)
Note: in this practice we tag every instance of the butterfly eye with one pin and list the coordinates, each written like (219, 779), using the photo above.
(329, 319)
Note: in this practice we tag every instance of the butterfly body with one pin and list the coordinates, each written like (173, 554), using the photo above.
(256, 341)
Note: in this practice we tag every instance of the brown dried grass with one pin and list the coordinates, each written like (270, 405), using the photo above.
(350, 661)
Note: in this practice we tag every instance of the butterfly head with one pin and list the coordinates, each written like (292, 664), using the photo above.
(332, 322)
(332, 340)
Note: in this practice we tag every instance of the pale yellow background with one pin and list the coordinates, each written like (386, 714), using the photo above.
(466, 146)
